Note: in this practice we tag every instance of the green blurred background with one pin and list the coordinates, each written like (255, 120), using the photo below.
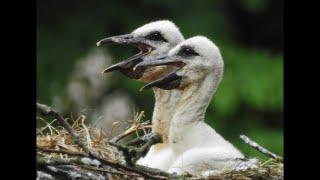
(248, 32)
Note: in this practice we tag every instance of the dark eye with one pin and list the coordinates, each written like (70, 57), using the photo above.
(156, 36)
(187, 51)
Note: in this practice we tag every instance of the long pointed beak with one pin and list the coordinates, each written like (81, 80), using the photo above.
(128, 63)
(165, 60)
(122, 65)
(126, 66)
(167, 82)
(120, 39)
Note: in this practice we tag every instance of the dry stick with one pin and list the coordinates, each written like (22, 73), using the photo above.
(61, 151)
(86, 130)
(68, 171)
(128, 133)
(259, 148)
(144, 171)
(45, 161)
(107, 171)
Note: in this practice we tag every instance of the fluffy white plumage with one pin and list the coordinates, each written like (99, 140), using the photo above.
(167, 28)
(165, 101)
(198, 147)
(195, 147)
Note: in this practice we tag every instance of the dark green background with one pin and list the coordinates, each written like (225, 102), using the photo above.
(249, 34)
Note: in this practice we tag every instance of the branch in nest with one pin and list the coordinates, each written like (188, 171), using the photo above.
(68, 172)
(75, 136)
(41, 161)
(109, 171)
(128, 132)
(76, 166)
(76, 158)
(60, 152)
(259, 148)
(135, 127)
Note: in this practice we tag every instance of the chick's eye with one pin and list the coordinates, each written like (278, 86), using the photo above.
(156, 36)
(187, 52)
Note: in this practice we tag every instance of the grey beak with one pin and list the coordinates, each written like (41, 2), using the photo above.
(122, 65)
(168, 82)
(120, 39)
(128, 63)
(126, 66)
(164, 60)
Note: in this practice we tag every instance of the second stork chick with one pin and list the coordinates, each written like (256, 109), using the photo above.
(197, 147)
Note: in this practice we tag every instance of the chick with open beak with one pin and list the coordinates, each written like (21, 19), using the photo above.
(153, 40)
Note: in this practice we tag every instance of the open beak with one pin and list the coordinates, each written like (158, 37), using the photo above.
(126, 66)
(168, 82)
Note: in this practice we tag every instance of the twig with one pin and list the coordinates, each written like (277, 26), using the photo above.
(60, 151)
(135, 127)
(44, 175)
(108, 171)
(41, 161)
(259, 148)
(86, 131)
(128, 132)
(70, 172)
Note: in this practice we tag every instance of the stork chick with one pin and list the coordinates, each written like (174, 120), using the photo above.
(153, 40)
(198, 148)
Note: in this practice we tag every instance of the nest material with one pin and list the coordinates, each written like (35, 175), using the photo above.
(268, 170)
(59, 155)
(59, 140)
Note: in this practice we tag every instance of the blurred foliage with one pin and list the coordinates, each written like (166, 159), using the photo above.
(250, 98)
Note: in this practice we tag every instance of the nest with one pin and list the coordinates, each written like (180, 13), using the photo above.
(80, 152)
